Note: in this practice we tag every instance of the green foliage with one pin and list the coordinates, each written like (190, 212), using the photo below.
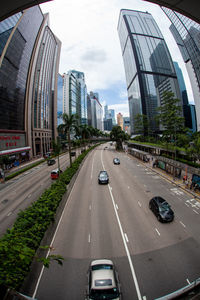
(118, 135)
(141, 124)
(170, 115)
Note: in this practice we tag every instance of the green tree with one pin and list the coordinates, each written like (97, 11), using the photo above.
(118, 135)
(141, 124)
(194, 149)
(69, 124)
(169, 115)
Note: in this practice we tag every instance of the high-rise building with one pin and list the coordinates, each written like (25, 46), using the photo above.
(188, 110)
(186, 33)
(126, 124)
(60, 100)
(111, 115)
(96, 111)
(106, 112)
(148, 65)
(29, 60)
(75, 95)
(120, 120)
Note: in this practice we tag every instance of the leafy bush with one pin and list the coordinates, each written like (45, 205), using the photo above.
(18, 246)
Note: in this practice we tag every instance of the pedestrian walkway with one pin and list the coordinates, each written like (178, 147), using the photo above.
(176, 181)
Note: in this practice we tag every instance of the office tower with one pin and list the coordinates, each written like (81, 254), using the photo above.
(126, 124)
(186, 33)
(148, 65)
(96, 111)
(89, 110)
(28, 84)
(105, 112)
(120, 120)
(75, 95)
(111, 115)
(188, 110)
(60, 103)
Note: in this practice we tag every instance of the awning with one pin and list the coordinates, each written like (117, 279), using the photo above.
(16, 150)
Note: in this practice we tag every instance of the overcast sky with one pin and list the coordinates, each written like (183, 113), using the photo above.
(90, 44)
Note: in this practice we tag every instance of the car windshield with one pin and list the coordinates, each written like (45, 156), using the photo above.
(103, 174)
(104, 294)
(164, 207)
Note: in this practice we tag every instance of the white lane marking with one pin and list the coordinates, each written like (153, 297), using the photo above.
(102, 159)
(10, 213)
(139, 204)
(182, 224)
(186, 204)
(89, 239)
(128, 187)
(188, 281)
(29, 196)
(126, 248)
(157, 231)
(196, 211)
(90, 207)
(126, 237)
(144, 298)
(42, 270)
(92, 167)
(117, 207)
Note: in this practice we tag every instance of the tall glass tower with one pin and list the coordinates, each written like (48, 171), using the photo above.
(148, 65)
(186, 33)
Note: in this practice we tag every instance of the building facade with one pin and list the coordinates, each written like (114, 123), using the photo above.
(148, 65)
(120, 121)
(29, 58)
(186, 33)
(96, 111)
(60, 104)
(75, 95)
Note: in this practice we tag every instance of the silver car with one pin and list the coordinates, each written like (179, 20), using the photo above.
(103, 282)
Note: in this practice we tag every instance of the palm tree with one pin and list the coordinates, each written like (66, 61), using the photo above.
(69, 123)
(85, 132)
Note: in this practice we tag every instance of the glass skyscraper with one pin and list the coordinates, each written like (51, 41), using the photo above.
(148, 65)
(75, 95)
(29, 59)
(186, 33)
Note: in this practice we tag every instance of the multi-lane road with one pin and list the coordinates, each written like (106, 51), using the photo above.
(114, 221)
(21, 191)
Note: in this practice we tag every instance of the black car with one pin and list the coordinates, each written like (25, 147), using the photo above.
(116, 161)
(51, 162)
(161, 209)
(103, 177)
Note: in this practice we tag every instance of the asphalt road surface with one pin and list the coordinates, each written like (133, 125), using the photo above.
(114, 221)
(21, 191)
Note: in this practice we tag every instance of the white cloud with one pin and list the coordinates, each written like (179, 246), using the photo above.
(90, 42)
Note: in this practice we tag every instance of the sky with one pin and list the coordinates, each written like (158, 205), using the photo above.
(88, 32)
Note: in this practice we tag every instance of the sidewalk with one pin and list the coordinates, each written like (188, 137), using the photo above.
(178, 182)
(22, 166)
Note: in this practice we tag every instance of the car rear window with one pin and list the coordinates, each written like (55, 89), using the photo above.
(100, 267)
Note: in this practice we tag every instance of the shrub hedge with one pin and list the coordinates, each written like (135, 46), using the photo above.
(19, 244)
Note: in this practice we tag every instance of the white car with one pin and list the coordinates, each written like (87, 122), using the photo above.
(103, 282)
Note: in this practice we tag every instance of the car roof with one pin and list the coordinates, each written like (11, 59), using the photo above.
(55, 171)
(102, 278)
(103, 172)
